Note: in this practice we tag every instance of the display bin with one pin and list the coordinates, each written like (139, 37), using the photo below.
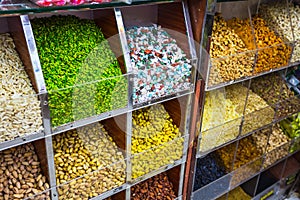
(276, 154)
(25, 166)
(164, 185)
(249, 62)
(287, 107)
(276, 93)
(258, 118)
(159, 137)
(245, 172)
(267, 186)
(294, 16)
(214, 189)
(91, 160)
(239, 62)
(217, 136)
(95, 184)
(21, 91)
(93, 75)
(211, 178)
(165, 67)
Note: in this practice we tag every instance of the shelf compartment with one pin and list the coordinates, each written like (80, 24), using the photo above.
(268, 186)
(164, 185)
(94, 184)
(284, 170)
(260, 49)
(151, 160)
(278, 146)
(24, 171)
(237, 193)
(242, 159)
(290, 128)
(93, 71)
(219, 135)
(21, 119)
(208, 169)
(20, 106)
(159, 72)
(294, 11)
(214, 189)
(227, 49)
(88, 154)
(211, 178)
(158, 131)
(245, 172)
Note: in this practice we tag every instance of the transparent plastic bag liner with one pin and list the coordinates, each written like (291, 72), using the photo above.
(154, 81)
(219, 135)
(20, 116)
(89, 99)
(157, 157)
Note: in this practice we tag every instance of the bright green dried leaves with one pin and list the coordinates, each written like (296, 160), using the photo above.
(82, 74)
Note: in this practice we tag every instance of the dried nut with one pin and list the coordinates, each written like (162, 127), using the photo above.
(14, 185)
(90, 152)
(157, 187)
(20, 111)
(275, 92)
(231, 58)
(156, 140)
(273, 52)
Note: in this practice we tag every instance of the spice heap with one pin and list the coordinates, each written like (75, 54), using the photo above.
(156, 140)
(21, 174)
(231, 58)
(20, 112)
(78, 67)
(275, 92)
(89, 152)
(207, 171)
(157, 187)
(161, 68)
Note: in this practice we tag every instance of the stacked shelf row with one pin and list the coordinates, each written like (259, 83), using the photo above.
(230, 166)
(247, 56)
(91, 107)
(244, 39)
